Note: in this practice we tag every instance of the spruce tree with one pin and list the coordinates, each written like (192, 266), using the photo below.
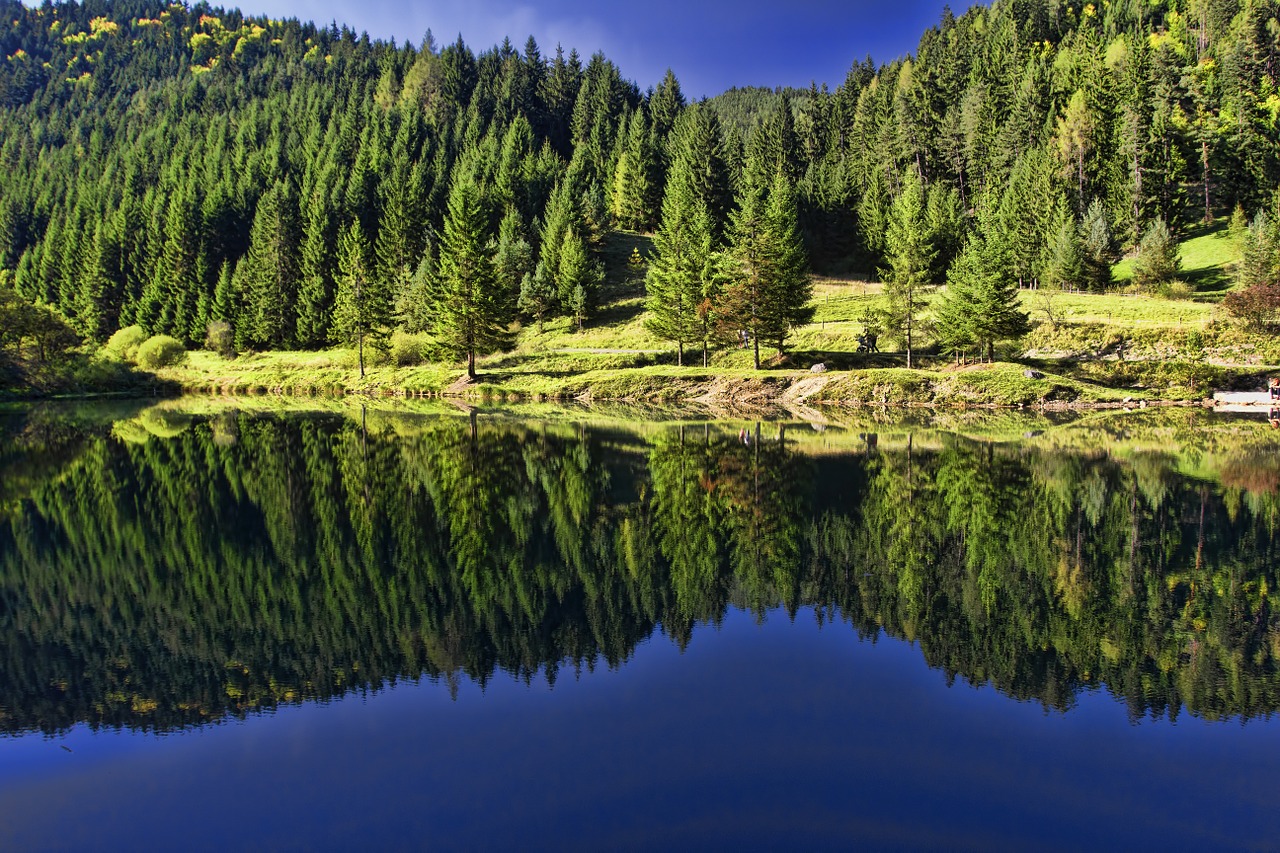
(768, 285)
(362, 310)
(1098, 247)
(1064, 257)
(674, 283)
(792, 287)
(471, 311)
(910, 256)
(270, 273)
(579, 279)
(1158, 260)
(980, 306)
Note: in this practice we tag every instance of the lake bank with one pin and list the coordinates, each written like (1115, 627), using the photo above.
(635, 377)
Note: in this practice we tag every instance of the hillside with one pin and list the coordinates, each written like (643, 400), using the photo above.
(174, 167)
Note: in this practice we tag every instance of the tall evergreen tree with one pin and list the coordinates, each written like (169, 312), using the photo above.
(907, 280)
(472, 312)
(674, 283)
(362, 310)
(768, 286)
(270, 271)
(980, 307)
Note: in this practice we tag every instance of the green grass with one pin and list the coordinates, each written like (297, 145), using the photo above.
(1208, 255)
(1098, 348)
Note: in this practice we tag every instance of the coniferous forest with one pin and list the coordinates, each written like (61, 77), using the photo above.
(179, 168)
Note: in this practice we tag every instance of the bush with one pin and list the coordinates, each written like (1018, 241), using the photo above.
(1258, 306)
(220, 340)
(1176, 289)
(124, 343)
(160, 351)
(410, 350)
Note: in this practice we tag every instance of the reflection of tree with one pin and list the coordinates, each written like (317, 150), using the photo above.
(765, 489)
(688, 517)
(242, 562)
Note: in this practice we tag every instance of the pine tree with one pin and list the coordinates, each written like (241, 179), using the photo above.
(1158, 260)
(537, 294)
(1098, 247)
(792, 287)
(910, 256)
(579, 279)
(270, 273)
(362, 308)
(471, 312)
(514, 258)
(768, 285)
(1064, 257)
(414, 302)
(1260, 249)
(674, 283)
(315, 287)
(980, 306)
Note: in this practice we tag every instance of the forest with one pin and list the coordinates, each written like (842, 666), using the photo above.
(254, 184)
(169, 570)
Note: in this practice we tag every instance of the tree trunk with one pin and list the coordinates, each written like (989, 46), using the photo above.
(1204, 165)
(755, 342)
(471, 364)
(360, 346)
(679, 353)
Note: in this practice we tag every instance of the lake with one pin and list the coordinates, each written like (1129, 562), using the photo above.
(239, 626)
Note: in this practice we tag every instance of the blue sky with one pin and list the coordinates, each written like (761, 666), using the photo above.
(710, 46)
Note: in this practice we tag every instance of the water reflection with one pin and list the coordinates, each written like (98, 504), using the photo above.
(166, 570)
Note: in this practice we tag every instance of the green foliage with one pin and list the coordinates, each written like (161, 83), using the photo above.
(160, 351)
(125, 342)
(579, 278)
(411, 350)
(767, 289)
(1261, 252)
(1157, 261)
(1098, 247)
(910, 254)
(185, 165)
(363, 309)
(981, 306)
(219, 339)
(471, 310)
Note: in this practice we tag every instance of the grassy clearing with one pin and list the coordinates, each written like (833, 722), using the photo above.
(1091, 348)
(1208, 255)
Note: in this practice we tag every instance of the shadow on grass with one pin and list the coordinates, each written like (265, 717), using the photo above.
(840, 360)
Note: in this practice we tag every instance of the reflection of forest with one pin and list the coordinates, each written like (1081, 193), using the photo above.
(168, 573)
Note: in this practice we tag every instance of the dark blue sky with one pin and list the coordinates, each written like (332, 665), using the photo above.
(711, 46)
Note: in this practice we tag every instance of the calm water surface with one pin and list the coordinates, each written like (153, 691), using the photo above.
(342, 631)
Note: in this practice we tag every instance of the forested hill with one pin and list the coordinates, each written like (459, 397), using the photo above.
(172, 166)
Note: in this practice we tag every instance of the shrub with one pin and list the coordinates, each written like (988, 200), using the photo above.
(160, 351)
(1176, 289)
(219, 339)
(410, 350)
(124, 343)
(1258, 306)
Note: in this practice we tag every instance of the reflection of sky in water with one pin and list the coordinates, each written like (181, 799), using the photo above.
(754, 737)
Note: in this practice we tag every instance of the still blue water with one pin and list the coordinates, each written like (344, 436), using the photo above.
(766, 730)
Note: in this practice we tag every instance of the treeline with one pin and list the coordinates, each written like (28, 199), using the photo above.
(174, 167)
(176, 571)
